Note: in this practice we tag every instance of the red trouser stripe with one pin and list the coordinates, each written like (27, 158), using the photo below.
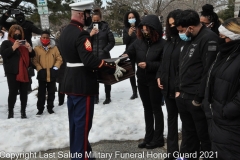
(86, 126)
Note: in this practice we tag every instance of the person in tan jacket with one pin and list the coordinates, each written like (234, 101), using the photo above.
(47, 61)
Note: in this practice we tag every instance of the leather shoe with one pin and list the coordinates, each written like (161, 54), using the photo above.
(142, 145)
(107, 101)
(153, 145)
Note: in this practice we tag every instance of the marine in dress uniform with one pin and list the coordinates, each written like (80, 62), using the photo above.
(80, 80)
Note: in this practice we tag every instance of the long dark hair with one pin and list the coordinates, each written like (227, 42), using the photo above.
(173, 14)
(207, 11)
(125, 19)
(154, 35)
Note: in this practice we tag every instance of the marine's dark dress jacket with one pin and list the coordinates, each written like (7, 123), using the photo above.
(75, 47)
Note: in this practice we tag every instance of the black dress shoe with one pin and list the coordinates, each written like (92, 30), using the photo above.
(153, 145)
(142, 145)
(50, 111)
(39, 113)
(10, 114)
(135, 95)
(107, 101)
(23, 115)
(96, 100)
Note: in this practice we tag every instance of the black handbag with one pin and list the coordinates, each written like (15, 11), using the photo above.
(31, 72)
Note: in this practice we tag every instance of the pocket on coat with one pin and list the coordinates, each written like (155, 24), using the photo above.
(53, 74)
(42, 75)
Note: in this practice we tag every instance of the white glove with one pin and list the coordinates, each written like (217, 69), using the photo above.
(55, 68)
(119, 70)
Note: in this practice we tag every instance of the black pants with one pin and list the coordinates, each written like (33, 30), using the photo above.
(14, 86)
(30, 84)
(172, 136)
(133, 78)
(151, 97)
(107, 90)
(42, 86)
(194, 127)
(61, 96)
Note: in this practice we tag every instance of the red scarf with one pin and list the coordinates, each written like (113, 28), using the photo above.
(22, 75)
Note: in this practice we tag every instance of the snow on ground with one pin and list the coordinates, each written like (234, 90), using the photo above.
(122, 119)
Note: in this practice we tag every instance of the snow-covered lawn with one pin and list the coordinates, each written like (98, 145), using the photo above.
(122, 119)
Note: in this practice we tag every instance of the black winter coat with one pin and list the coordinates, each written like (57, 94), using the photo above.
(102, 42)
(168, 69)
(75, 47)
(128, 40)
(11, 58)
(196, 57)
(62, 67)
(222, 102)
(28, 27)
(142, 50)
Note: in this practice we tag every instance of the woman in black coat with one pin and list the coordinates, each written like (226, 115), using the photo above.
(222, 103)
(16, 56)
(131, 21)
(166, 77)
(102, 42)
(147, 51)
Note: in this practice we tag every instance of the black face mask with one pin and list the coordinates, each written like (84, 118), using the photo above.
(146, 35)
(17, 36)
(173, 30)
(221, 41)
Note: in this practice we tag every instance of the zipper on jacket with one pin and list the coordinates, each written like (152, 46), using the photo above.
(209, 73)
(182, 64)
(210, 70)
(97, 45)
(146, 58)
(210, 106)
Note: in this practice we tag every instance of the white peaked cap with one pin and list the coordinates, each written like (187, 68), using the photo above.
(82, 6)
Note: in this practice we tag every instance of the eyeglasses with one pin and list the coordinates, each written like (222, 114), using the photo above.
(144, 31)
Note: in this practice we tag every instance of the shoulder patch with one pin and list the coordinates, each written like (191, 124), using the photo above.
(88, 45)
(212, 48)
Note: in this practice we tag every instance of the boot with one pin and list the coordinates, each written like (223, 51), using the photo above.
(96, 99)
(107, 101)
(135, 95)
(23, 112)
(10, 113)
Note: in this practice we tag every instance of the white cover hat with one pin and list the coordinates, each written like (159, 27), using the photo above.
(82, 6)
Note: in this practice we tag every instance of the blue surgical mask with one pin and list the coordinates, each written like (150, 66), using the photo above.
(132, 20)
(184, 37)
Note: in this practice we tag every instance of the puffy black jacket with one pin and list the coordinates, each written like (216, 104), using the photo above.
(222, 101)
(195, 60)
(28, 27)
(102, 42)
(143, 50)
(168, 69)
(128, 40)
